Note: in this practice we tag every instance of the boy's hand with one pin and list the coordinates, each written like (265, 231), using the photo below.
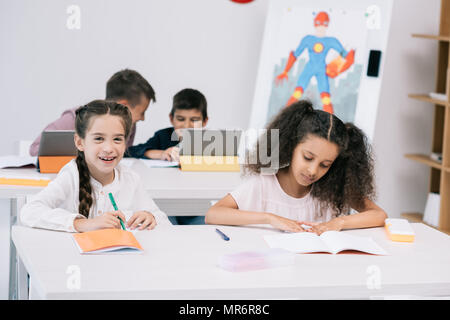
(143, 218)
(171, 154)
(107, 220)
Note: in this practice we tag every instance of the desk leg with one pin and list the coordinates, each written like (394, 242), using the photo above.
(18, 276)
(5, 239)
(33, 293)
(22, 281)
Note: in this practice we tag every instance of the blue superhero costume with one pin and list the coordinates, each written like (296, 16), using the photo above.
(318, 48)
(316, 66)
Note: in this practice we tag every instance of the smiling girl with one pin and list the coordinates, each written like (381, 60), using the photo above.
(325, 170)
(77, 199)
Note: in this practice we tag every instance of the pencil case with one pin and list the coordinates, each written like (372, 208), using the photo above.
(399, 230)
(255, 260)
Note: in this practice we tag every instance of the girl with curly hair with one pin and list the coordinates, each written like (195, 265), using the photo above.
(77, 200)
(324, 169)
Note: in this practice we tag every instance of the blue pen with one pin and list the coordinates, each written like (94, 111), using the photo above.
(223, 235)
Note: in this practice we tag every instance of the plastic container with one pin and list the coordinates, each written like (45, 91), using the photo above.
(256, 260)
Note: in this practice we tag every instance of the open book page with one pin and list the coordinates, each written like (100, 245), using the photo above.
(330, 241)
(301, 242)
(340, 241)
(16, 161)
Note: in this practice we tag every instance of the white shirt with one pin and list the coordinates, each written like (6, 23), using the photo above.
(56, 206)
(263, 193)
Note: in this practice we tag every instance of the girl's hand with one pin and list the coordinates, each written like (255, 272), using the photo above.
(143, 218)
(332, 225)
(286, 224)
(107, 220)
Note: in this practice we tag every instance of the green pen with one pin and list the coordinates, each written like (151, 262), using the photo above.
(117, 209)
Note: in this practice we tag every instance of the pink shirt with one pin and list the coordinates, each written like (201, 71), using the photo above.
(263, 193)
(67, 122)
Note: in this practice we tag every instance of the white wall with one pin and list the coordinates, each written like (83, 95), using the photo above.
(211, 45)
(403, 124)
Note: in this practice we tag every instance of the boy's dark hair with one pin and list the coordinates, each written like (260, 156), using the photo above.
(350, 178)
(188, 99)
(129, 85)
(83, 118)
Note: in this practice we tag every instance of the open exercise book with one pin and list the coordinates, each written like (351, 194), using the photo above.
(329, 242)
(112, 241)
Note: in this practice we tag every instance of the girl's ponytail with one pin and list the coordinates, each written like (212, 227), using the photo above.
(84, 196)
(357, 140)
(359, 167)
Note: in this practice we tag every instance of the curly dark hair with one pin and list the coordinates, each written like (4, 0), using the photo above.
(82, 121)
(349, 180)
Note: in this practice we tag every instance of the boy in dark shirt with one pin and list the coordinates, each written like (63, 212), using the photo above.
(189, 110)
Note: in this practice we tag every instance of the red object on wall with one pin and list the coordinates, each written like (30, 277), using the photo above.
(242, 1)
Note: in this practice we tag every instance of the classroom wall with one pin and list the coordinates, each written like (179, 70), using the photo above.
(404, 125)
(209, 45)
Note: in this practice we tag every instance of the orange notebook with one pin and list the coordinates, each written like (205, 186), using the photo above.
(107, 241)
(52, 164)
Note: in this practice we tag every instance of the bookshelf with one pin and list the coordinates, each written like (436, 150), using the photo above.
(439, 171)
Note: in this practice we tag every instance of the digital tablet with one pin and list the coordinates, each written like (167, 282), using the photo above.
(206, 142)
(57, 143)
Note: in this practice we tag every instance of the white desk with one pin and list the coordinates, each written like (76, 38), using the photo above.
(177, 193)
(161, 183)
(180, 263)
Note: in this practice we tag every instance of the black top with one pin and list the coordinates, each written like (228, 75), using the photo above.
(160, 141)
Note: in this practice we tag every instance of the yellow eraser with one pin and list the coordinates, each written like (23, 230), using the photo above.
(399, 230)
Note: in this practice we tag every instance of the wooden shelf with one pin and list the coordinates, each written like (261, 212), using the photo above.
(415, 217)
(427, 98)
(425, 159)
(433, 37)
(439, 181)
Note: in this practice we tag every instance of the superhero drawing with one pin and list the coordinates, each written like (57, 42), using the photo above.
(318, 46)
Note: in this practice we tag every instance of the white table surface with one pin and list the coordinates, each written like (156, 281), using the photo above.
(176, 192)
(181, 263)
(161, 183)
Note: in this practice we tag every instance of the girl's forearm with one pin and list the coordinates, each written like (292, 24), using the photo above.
(366, 219)
(236, 217)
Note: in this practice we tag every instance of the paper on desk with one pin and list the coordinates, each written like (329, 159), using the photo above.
(17, 177)
(13, 174)
(159, 163)
(16, 161)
